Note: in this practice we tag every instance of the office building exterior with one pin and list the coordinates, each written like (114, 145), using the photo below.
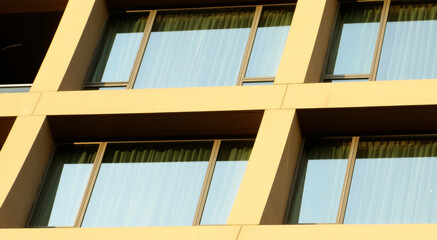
(211, 119)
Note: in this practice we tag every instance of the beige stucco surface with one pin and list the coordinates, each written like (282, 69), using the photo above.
(262, 196)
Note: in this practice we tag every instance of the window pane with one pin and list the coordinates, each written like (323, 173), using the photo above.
(257, 83)
(14, 89)
(410, 45)
(119, 47)
(228, 173)
(394, 181)
(354, 40)
(269, 42)
(65, 185)
(196, 48)
(351, 80)
(148, 184)
(321, 175)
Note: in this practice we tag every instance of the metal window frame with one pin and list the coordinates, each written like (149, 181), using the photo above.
(371, 76)
(241, 79)
(216, 143)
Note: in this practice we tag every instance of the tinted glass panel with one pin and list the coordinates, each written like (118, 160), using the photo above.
(195, 48)
(65, 185)
(119, 47)
(269, 42)
(410, 48)
(257, 83)
(321, 175)
(148, 184)
(394, 181)
(354, 40)
(228, 173)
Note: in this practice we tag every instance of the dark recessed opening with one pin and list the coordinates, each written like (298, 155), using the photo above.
(368, 121)
(24, 40)
(5, 127)
(141, 127)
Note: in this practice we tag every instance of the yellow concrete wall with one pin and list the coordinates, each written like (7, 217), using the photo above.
(263, 194)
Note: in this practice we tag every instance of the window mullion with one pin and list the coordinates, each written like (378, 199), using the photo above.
(249, 45)
(142, 48)
(347, 180)
(206, 182)
(90, 185)
(380, 39)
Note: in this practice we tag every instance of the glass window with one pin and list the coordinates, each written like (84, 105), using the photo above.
(404, 49)
(195, 49)
(142, 184)
(270, 39)
(354, 40)
(228, 173)
(119, 47)
(191, 48)
(392, 180)
(320, 182)
(409, 50)
(65, 184)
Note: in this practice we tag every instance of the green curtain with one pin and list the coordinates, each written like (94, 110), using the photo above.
(202, 20)
(276, 16)
(330, 176)
(117, 67)
(409, 46)
(73, 188)
(354, 40)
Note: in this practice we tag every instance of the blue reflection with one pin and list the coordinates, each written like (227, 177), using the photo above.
(194, 58)
(257, 83)
(14, 89)
(322, 190)
(223, 190)
(122, 57)
(267, 51)
(409, 51)
(145, 194)
(393, 190)
(355, 50)
(69, 193)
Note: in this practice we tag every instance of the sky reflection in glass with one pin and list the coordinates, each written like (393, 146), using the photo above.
(269, 42)
(145, 194)
(354, 40)
(410, 48)
(320, 182)
(74, 178)
(393, 190)
(148, 184)
(65, 185)
(228, 172)
(195, 49)
(119, 47)
(223, 190)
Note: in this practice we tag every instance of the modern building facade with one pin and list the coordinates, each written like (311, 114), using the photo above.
(227, 120)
